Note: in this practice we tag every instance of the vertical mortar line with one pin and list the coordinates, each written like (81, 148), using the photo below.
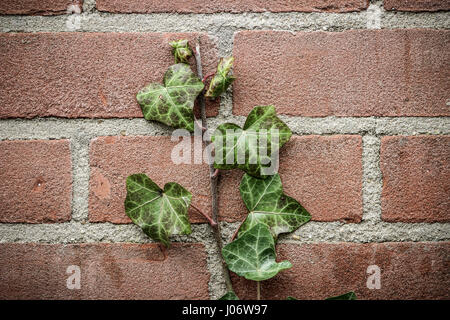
(225, 36)
(372, 179)
(80, 176)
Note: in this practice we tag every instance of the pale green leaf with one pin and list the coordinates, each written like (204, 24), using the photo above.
(230, 295)
(172, 103)
(346, 296)
(267, 203)
(160, 213)
(221, 80)
(181, 51)
(253, 255)
(254, 148)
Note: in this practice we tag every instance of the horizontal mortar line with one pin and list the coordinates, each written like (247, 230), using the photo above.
(75, 232)
(61, 128)
(173, 22)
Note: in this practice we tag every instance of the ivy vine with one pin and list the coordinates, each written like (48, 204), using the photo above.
(162, 213)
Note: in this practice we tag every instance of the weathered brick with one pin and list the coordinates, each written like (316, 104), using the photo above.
(36, 180)
(113, 159)
(235, 6)
(40, 7)
(324, 173)
(95, 75)
(416, 178)
(408, 271)
(416, 5)
(108, 271)
(350, 73)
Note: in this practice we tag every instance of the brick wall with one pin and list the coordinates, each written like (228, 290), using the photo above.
(364, 86)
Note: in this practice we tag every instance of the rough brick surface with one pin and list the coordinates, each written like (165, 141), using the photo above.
(113, 159)
(408, 271)
(36, 181)
(40, 7)
(350, 73)
(235, 6)
(86, 74)
(108, 271)
(323, 173)
(416, 5)
(416, 178)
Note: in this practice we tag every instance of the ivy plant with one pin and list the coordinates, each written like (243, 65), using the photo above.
(162, 212)
(254, 145)
(159, 212)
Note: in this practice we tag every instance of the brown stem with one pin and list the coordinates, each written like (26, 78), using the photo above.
(208, 76)
(213, 180)
(211, 221)
(236, 232)
(258, 290)
(215, 174)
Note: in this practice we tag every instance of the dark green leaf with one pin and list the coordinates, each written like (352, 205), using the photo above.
(346, 296)
(181, 51)
(160, 213)
(291, 298)
(221, 80)
(172, 103)
(267, 203)
(255, 148)
(230, 295)
(253, 255)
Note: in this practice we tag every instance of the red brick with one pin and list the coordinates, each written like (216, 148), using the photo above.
(113, 159)
(36, 180)
(108, 271)
(95, 75)
(416, 178)
(416, 5)
(235, 6)
(408, 271)
(324, 173)
(350, 73)
(38, 7)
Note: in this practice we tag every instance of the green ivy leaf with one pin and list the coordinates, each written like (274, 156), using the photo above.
(251, 149)
(173, 102)
(230, 295)
(267, 203)
(181, 51)
(221, 80)
(160, 213)
(346, 296)
(253, 255)
(291, 298)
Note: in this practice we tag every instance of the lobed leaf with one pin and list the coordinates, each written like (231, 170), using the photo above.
(172, 103)
(268, 204)
(160, 213)
(221, 80)
(230, 295)
(253, 149)
(181, 51)
(346, 296)
(253, 255)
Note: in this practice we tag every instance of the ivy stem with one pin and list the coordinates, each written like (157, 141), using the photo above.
(211, 221)
(213, 179)
(237, 231)
(208, 76)
(258, 290)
